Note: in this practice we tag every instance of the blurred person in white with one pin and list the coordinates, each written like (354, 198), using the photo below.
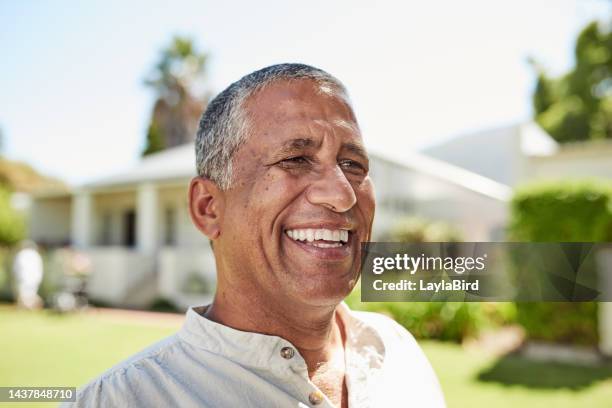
(284, 195)
(28, 273)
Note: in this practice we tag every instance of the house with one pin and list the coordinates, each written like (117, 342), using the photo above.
(524, 152)
(136, 229)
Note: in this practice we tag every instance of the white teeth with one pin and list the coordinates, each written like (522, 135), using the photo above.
(321, 234)
(325, 245)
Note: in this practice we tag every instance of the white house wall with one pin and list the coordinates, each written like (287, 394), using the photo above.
(404, 192)
(117, 273)
(495, 154)
(176, 265)
(50, 220)
(577, 161)
(187, 235)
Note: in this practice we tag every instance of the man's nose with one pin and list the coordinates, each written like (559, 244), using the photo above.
(332, 190)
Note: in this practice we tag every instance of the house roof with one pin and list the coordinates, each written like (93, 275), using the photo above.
(170, 164)
(179, 163)
(442, 170)
(532, 139)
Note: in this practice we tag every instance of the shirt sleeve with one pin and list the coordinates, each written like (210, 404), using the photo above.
(407, 367)
(94, 394)
(427, 380)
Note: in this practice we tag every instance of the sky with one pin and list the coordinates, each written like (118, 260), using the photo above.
(73, 103)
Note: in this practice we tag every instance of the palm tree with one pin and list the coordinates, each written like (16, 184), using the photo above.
(176, 79)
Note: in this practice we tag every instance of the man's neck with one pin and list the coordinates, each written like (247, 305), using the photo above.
(314, 331)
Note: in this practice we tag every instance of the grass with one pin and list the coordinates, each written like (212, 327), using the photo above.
(40, 348)
(43, 349)
(471, 379)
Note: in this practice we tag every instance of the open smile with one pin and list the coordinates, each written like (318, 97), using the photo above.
(332, 244)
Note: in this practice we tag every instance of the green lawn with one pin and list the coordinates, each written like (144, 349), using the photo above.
(39, 349)
(470, 379)
(43, 349)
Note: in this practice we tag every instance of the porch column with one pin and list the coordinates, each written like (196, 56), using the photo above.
(146, 218)
(82, 219)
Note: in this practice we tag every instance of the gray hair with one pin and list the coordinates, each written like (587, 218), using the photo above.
(224, 126)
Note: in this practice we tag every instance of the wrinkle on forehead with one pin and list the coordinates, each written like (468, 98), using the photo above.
(285, 115)
(350, 126)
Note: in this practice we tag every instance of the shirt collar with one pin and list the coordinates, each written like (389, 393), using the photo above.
(364, 347)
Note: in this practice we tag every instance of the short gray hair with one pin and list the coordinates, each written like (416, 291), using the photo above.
(224, 127)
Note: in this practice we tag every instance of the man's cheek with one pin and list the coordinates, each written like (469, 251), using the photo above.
(365, 196)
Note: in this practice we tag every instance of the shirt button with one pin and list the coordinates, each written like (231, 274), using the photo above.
(315, 398)
(287, 353)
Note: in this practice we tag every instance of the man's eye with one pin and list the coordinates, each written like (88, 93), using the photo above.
(295, 161)
(352, 165)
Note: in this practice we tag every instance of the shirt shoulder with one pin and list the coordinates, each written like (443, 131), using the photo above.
(117, 385)
(386, 327)
(405, 363)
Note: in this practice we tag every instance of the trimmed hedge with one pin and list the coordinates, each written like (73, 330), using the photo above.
(451, 321)
(561, 212)
(417, 229)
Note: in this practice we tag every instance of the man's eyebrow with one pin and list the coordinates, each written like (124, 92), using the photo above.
(357, 149)
(298, 143)
(302, 143)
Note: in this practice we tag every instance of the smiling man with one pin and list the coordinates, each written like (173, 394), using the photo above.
(284, 195)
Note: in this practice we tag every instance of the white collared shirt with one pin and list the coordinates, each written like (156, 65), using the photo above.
(207, 364)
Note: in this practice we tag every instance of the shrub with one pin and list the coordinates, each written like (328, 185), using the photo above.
(162, 304)
(416, 229)
(6, 286)
(450, 321)
(561, 212)
(12, 224)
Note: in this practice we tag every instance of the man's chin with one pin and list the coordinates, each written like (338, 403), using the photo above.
(322, 277)
(318, 299)
(323, 288)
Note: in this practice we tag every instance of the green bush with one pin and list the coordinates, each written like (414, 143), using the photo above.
(12, 224)
(416, 229)
(450, 321)
(561, 212)
(560, 322)
(6, 278)
(161, 304)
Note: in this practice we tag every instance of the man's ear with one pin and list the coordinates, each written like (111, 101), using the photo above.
(206, 205)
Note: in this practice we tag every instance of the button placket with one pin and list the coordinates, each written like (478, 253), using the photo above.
(298, 366)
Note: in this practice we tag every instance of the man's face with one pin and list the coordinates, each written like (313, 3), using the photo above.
(301, 200)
